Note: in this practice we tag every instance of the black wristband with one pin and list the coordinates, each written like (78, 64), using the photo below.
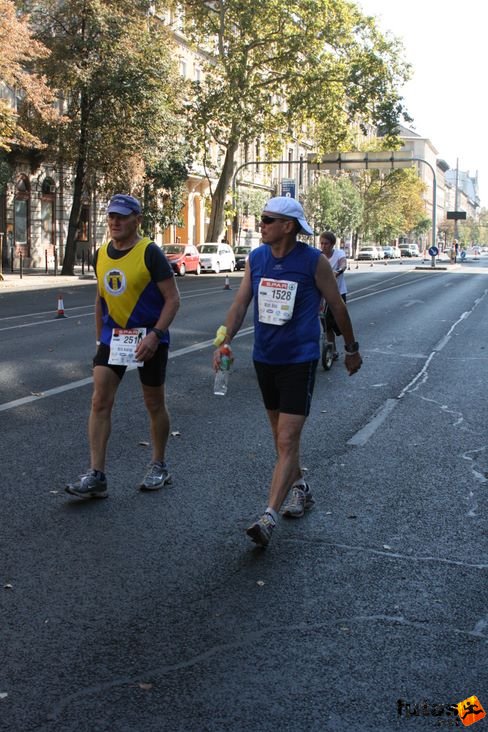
(159, 333)
(351, 348)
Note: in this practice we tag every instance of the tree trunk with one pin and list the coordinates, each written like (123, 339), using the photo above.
(217, 223)
(74, 220)
(78, 186)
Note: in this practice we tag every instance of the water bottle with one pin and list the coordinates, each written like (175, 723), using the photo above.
(222, 375)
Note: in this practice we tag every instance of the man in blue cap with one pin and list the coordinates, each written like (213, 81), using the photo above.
(287, 279)
(137, 299)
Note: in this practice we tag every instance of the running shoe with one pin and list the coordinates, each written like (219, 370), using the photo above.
(301, 500)
(260, 532)
(156, 477)
(88, 486)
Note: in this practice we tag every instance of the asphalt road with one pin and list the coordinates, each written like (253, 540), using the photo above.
(153, 613)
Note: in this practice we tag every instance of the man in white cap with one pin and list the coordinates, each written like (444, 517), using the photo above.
(287, 280)
(136, 302)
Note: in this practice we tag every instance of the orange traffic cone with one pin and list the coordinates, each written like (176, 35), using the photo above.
(226, 285)
(60, 313)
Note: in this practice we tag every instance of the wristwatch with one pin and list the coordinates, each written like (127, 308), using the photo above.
(351, 348)
(159, 333)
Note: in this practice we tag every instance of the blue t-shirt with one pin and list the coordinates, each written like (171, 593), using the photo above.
(297, 340)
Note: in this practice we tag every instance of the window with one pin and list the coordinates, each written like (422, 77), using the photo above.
(48, 195)
(22, 213)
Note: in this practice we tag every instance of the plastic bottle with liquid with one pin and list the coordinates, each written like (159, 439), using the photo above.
(222, 375)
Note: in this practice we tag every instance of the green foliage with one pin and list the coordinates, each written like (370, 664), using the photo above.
(164, 193)
(112, 65)
(5, 174)
(315, 64)
(381, 207)
(334, 204)
(250, 202)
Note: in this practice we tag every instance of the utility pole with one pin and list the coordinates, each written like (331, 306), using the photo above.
(456, 203)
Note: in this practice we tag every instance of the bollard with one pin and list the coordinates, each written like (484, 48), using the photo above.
(20, 264)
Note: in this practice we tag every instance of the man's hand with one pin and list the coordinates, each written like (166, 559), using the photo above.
(353, 362)
(217, 355)
(147, 347)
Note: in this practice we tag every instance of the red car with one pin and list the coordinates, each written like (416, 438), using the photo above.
(183, 258)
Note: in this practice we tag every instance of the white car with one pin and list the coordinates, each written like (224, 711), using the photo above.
(216, 257)
(370, 253)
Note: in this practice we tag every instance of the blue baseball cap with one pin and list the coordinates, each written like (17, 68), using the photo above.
(124, 205)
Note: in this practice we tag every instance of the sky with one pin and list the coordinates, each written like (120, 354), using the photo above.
(446, 43)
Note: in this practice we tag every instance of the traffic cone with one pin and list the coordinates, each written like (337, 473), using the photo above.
(226, 285)
(60, 313)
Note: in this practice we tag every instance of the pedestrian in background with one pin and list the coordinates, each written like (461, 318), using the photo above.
(287, 279)
(338, 262)
(135, 289)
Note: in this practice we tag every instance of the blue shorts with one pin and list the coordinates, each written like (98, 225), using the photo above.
(288, 387)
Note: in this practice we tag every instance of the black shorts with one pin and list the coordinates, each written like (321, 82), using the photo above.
(330, 323)
(287, 388)
(152, 373)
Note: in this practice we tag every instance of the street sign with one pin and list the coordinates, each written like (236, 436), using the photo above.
(433, 251)
(456, 215)
(381, 160)
(288, 187)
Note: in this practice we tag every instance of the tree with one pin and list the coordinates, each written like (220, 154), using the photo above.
(19, 52)
(393, 203)
(112, 65)
(315, 62)
(323, 204)
(334, 203)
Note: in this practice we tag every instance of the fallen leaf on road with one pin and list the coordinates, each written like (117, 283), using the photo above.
(144, 443)
(260, 583)
(36, 393)
(143, 685)
(386, 546)
(53, 492)
(8, 587)
(175, 434)
(3, 695)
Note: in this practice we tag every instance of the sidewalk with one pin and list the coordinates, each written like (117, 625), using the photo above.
(35, 279)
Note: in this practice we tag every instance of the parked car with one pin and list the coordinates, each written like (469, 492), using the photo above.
(369, 253)
(183, 258)
(391, 252)
(241, 254)
(415, 250)
(405, 250)
(215, 257)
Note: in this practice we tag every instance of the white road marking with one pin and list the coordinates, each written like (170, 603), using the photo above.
(84, 382)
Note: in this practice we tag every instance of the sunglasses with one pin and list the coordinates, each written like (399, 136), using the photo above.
(270, 219)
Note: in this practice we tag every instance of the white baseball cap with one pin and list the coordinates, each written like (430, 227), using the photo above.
(288, 208)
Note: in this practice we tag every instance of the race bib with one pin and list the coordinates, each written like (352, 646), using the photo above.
(276, 300)
(123, 346)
